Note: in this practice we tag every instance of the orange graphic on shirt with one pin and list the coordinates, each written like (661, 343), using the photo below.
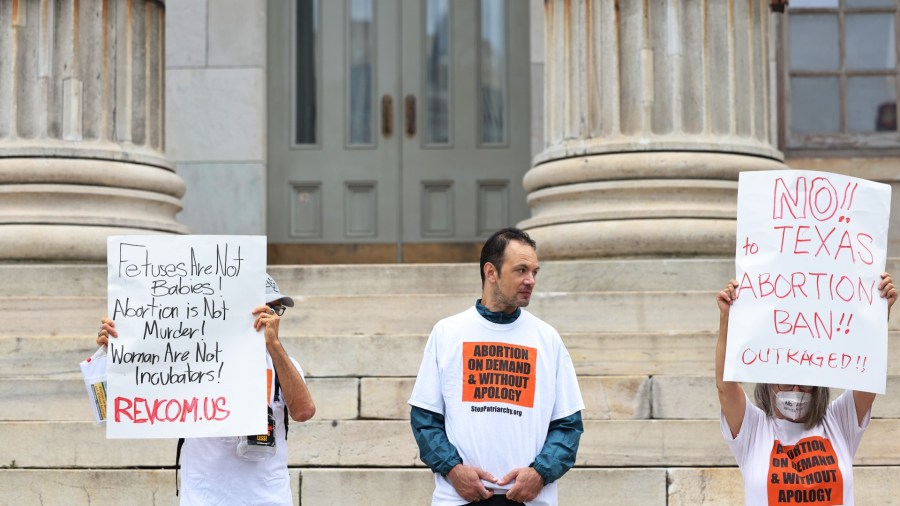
(498, 372)
(805, 473)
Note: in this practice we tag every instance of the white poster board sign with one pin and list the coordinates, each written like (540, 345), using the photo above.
(811, 247)
(187, 362)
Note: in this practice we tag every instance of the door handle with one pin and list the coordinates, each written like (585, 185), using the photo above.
(409, 108)
(387, 116)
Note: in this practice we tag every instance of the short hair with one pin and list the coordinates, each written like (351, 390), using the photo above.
(495, 247)
(818, 403)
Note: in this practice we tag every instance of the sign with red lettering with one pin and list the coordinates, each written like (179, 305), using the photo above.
(811, 247)
(187, 362)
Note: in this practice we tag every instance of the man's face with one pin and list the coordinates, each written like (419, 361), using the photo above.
(512, 286)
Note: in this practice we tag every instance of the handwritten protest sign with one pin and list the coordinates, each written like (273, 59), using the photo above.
(187, 362)
(811, 247)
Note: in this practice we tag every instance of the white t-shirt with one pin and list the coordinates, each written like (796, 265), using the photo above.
(498, 386)
(783, 463)
(213, 474)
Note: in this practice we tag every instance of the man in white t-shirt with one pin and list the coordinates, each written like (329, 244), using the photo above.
(218, 470)
(496, 408)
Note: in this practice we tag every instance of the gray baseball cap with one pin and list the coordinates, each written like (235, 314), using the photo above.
(273, 293)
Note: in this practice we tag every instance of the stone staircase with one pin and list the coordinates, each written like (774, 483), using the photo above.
(641, 333)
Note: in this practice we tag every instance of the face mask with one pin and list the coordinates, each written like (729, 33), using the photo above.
(793, 405)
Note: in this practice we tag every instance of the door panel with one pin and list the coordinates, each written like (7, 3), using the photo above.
(343, 187)
(481, 175)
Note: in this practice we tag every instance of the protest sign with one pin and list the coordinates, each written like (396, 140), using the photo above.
(187, 362)
(811, 247)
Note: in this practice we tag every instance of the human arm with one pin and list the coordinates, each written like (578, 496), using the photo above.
(300, 404)
(439, 454)
(731, 396)
(555, 458)
(864, 400)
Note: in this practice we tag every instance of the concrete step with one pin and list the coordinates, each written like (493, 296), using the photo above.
(338, 399)
(608, 312)
(694, 397)
(90, 280)
(673, 354)
(666, 275)
(723, 486)
(582, 312)
(397, 355)
(378, 487)
(610, 398)
(653, 486)
(605, 398)
(359, 443)
(86, 487)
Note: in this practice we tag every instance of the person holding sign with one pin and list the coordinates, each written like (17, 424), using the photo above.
(248, 469)
(793, 446)
(496, 408)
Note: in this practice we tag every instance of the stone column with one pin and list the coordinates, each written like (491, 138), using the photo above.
(651, 110)
(82, 127)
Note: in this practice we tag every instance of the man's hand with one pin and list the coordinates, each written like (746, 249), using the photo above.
(467, 482)
(267, 319)
(528, 484)
(107, 330)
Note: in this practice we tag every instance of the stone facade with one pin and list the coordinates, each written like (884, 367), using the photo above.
(216, 112)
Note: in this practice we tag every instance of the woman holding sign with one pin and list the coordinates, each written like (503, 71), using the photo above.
(793, 446)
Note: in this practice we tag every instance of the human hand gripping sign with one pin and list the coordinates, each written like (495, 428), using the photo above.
(268, 321)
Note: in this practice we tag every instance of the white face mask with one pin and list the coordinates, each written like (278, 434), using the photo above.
(793, 405)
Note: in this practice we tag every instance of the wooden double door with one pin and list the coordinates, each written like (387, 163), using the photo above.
(399, 130)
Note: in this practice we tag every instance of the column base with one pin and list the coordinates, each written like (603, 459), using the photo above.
(59, 209)
(59, 243)
(654, 238)
(659, 204)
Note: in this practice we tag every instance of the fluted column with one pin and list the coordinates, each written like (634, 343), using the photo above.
(82, 127)
(651, 110)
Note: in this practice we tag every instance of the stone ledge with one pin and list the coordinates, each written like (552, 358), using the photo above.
(654, 486)
(616, 312)
(87, 487)
(65, 399)
(694, 397)
(380, 487)
(568, 276)
(385, 398)
(393, 355)
(692, 486)
(605, 397)
(616, 443)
